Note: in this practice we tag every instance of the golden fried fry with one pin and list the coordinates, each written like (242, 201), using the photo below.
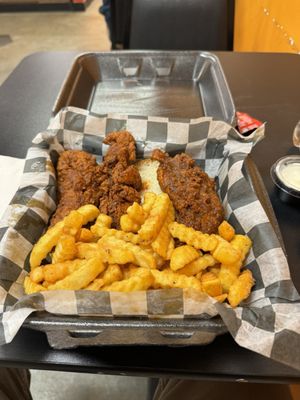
(136, 282)
(241, 288)
(157, 215)
(226, 231)
(65, 249)
(149, 199)
(54, 272)
(164, 243)
(90, 250)
(221, 298)
(225, 253)
(134, 254)
(104, 220)
(102, 224)
(45, 244)
(198, 265)
(242, 243)
(85, 235)
(228, 275)
(37, 275)
(170, 279)
(183, 255)
(193, 238)
(80, 278)
(211, 284)
(128, 225)
(32, 287)
(126, 236)
(112, 274)
(89, 213)
(136, 213)
(72, 223)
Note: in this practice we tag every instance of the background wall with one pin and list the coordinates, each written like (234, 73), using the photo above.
(267, 25)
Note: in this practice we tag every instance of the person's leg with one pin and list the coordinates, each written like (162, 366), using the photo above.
(14, 384)
(176, 389)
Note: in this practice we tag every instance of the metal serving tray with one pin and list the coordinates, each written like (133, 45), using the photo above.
(69, 332)
(181, 84)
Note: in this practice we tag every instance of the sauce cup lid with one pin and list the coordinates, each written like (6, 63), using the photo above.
(280, 180)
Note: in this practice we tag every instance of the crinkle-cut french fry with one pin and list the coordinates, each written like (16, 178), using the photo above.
(64, 250)
(55, 272)
(241, 288)
(193, 238)
(137, 282)
(157, 215)
(228, 274)
(198, 265)
(161, 245)
(126, 236)
(114, 247)
(85, 235)
(136, 213)
(80, 278)
(73, 223)
(211, 284)
(221, 298)
(169, 279)
(89, 213)
(98, 230)
(37, 275)
(32, 287)
(128, 225)
(90, 250)
(149, 199)
(46, 242)
(226, 231)
(225, 253)
(182, 256)
(159, 261)
(112, 274)
(104, 220)
(215, 269)
(242, 243)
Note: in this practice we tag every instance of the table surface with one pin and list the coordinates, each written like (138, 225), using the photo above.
(267, 86)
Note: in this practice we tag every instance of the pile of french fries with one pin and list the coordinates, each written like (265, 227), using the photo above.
(150, 251)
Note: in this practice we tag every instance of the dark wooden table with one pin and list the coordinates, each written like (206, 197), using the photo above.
(266, 86)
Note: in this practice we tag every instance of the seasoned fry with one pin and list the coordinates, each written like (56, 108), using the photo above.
(164, 243)
(169, 279)
(32, 287)
(128, 225)
(72, 223)
(141, 282)
(149, 199)
(85, 235)
(228, 274)
(242, 243)
(226, 231)
(112, 274)
(193, 238)
(136, 213)
(198, 265)
(158, 213)
(89, 213)
(136, 255)
(81, 277)
(183, 255)
(211, 284)
(65, 249)
(126, 236)
(90, 250)
(241, 288)
(225, 253)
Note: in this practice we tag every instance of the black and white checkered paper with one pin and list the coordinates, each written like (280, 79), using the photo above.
(268, 322)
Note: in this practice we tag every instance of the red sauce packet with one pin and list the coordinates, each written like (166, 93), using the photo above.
(246, 124)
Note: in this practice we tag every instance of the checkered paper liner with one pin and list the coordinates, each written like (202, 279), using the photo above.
(268, 322)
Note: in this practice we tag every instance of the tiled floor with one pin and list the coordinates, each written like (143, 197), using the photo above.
(42, 31)
(50, 385)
